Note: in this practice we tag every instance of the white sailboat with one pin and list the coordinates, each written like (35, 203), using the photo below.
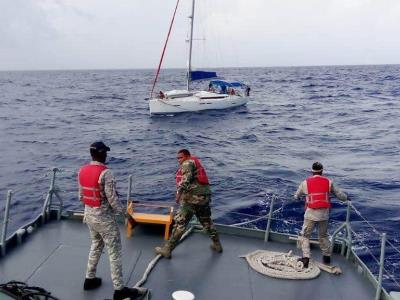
(221, 94)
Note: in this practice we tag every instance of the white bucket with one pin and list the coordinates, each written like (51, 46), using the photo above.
(182, 295)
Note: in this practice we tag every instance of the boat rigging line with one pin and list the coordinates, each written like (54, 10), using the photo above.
(163, 52)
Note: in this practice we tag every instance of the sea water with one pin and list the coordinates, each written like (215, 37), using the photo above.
(346, 117)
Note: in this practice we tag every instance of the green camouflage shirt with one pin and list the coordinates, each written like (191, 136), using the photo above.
(189, 185)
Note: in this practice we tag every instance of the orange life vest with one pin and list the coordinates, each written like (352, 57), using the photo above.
(318, 192)
(200, 176)
(89, 182)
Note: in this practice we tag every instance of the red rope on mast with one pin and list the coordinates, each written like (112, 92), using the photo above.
(163, 52)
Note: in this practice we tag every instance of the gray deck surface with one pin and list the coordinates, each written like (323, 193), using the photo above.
(55, 257)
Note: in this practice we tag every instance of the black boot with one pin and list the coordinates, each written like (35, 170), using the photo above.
(131, 293)
(91, 283)
(305, 261)
(326, 259)
(216, 245)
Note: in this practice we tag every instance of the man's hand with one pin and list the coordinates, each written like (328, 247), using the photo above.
(178, 197)
(127, 215)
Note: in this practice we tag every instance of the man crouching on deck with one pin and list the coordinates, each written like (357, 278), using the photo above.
(194, 195)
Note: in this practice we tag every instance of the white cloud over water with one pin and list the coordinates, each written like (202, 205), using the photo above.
(72, 34)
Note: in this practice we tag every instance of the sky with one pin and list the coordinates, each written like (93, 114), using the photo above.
(130, 34)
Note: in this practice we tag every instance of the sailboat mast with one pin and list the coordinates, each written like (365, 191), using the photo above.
(189, 69)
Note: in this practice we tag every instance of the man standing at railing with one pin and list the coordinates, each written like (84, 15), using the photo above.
(317, 190)
(97, 190)
(194, 195)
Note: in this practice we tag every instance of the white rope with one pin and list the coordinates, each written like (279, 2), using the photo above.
(281, 265)
(248, 222)
(154, 261)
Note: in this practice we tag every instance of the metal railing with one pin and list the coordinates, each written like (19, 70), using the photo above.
(48, 203)
(346, 242)
(44, 215)
(5, 223)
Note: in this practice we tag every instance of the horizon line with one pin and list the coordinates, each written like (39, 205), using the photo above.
(183, 68)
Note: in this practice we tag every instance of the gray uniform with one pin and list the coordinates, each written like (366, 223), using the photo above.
(319, 217)
(104, 229)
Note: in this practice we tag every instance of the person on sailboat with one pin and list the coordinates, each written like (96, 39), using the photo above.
(317, 189)
(211, 88)
(247, 91)
(194, 195)
(97, 190)
(161, 95)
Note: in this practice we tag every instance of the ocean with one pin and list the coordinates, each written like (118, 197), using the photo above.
(346, 117)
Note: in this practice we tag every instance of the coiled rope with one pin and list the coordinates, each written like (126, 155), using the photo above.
(281, 265)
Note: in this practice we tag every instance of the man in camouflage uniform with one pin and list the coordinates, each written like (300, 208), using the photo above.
(194, 199)
(97, 183)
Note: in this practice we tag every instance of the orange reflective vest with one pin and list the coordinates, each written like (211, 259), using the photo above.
(200, 176)
(318, 192)
(89, 183)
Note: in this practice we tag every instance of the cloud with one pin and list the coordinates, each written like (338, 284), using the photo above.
(22, 22)
(54, 34)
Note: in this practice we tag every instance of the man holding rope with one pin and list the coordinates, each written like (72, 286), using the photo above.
(194, 195)
(317, 189)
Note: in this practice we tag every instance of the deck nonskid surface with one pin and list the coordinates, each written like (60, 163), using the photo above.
(55, 257)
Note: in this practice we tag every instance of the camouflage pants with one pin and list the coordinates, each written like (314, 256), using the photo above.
(323, 239)
(183, 217)
(105, 233)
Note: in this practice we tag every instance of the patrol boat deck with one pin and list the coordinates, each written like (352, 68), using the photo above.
(55, 257)
(51, 252)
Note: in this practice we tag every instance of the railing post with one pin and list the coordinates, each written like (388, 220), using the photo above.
(5, 224)
(128, 196)
(348, 238)
(271, 209)
(348, 229)
(49, 197)
(381, 266)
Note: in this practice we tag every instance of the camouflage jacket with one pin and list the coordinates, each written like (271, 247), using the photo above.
(192, 191)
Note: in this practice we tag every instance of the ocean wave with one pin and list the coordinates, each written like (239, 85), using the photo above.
(345, 117)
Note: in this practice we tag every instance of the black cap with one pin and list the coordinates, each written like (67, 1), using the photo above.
(99, 147)
(317, 167)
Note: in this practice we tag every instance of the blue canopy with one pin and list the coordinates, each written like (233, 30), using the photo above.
(199, 75)
(224, 84)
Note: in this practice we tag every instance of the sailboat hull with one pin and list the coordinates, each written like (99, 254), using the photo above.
(174, 104)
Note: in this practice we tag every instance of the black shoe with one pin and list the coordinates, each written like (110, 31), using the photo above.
(326, 259)
(305, 261)
(131, 293)
(91, 283)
